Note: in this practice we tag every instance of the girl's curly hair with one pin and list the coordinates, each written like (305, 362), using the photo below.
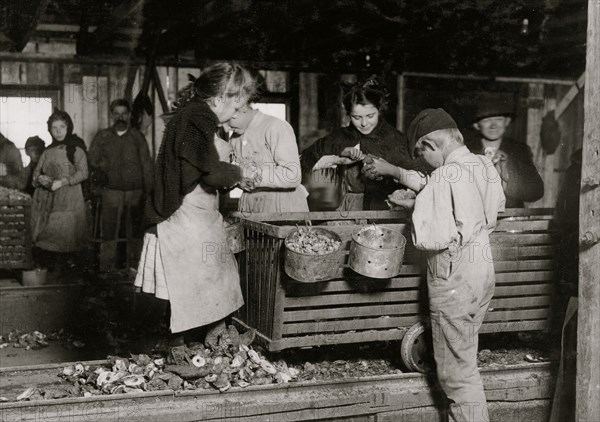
(369, 91)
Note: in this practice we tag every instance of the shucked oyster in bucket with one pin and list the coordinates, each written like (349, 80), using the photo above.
(312, 241)
(312, 254)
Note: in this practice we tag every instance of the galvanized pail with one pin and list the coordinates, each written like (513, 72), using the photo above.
(311, 268)
(377, 252)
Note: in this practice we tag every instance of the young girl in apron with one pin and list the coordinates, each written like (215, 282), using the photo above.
(185, 258)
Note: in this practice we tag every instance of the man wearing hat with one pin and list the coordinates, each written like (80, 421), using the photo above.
(513, 160)
(454, 214)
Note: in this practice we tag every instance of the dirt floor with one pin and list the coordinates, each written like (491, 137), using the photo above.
(107, 324)
(107, 319)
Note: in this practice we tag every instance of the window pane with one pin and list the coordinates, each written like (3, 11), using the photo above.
(274, 109)
(22, 117)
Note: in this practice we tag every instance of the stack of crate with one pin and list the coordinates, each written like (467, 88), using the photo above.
(15, 230)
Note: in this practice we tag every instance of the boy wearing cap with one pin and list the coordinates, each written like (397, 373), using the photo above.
(513, 160)
(454, 213)
(34, 147)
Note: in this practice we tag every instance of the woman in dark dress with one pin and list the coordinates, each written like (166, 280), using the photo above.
(368, 135)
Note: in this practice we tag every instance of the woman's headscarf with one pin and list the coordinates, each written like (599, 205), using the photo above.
(71, 141)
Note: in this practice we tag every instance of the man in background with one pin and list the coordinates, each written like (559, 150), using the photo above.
(513, 160)
(122, 169)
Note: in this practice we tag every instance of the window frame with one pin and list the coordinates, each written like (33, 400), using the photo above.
(54, 92)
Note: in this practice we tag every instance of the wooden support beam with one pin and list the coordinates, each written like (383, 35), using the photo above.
(569, 96)
(588, 341)
(120, 14)
(159, 90)
(28, 31)
(294, 113)
(309, 106)
(401, 103)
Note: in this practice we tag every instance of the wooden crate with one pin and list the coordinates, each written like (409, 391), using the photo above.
(352, 308)
(15, 233)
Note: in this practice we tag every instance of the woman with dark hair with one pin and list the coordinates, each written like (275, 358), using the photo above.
(367, 136)
(185, 258)
(59, 222)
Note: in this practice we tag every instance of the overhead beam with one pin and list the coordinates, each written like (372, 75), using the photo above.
(69, 28)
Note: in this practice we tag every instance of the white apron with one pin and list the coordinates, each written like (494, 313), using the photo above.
(190, 264)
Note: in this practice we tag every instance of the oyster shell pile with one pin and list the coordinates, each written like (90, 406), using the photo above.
(13, 194)
(29, 341)
(308, 241)
(228, 362)
(239, 366)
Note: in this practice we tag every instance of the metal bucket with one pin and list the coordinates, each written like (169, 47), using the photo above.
(377, 252)
(235, 237)
(311, 268)
(35, 277)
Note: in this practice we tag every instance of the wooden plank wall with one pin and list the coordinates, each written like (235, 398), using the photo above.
(86, 91)
(553, 166)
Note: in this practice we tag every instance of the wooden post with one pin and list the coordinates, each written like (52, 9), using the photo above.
(400, 107)
(294, 112)
(588, 340)
(159, 89)
(309, 106)
(535, 101)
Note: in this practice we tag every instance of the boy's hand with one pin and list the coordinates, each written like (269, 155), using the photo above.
(378, 168)
(352, 153)
(402, 198)
(406, 204)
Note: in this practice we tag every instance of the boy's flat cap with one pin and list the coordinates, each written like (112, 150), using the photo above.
(427, 121)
